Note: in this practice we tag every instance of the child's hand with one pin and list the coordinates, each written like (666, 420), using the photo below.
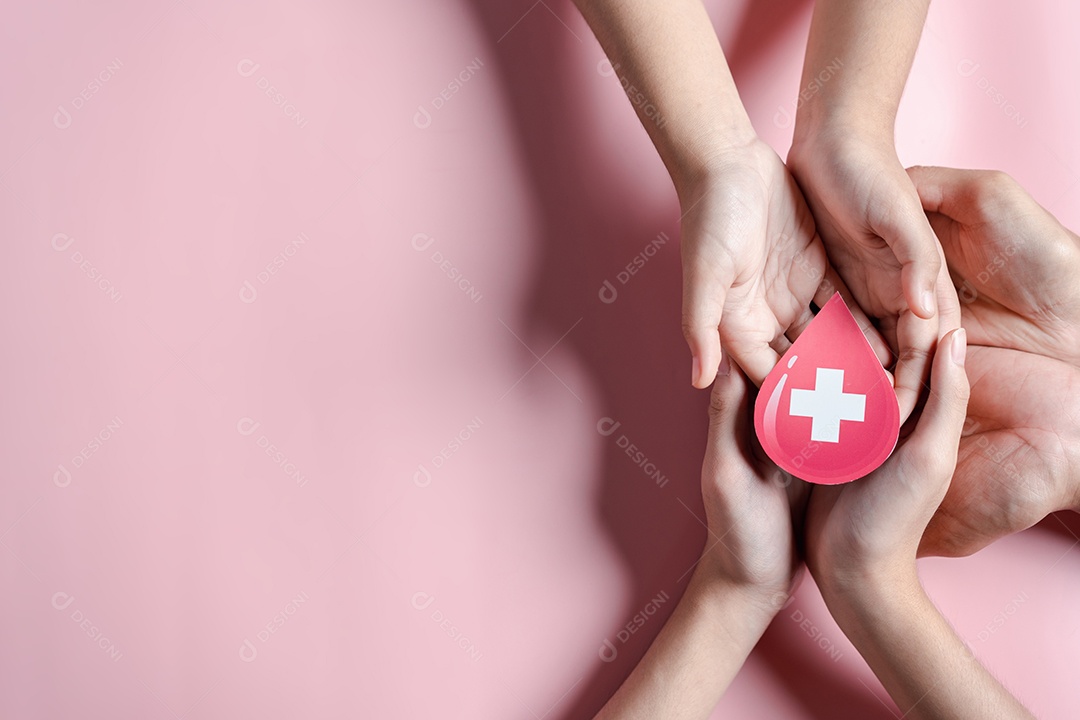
(861, 544)
(868, 531)
(750, 503)
(878, 239)
(843, 154)
(752, 263)
(743, 578)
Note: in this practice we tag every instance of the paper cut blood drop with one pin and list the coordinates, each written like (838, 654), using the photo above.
(827, 412)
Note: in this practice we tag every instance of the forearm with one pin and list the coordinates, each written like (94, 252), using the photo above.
(696, 655)
(857, 62)
(915, 653)
(668, 59)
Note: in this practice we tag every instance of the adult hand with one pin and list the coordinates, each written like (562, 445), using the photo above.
(1019, 455)
(752, 263)
(1014, 266)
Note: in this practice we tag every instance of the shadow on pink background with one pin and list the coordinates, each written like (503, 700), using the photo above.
(307, 361)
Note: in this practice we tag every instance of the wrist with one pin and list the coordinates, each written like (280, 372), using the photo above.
(876, 585)
(758, 598)
(735, 616)
(717, 168)
(694, 163)
(836, 127)
(867, 612)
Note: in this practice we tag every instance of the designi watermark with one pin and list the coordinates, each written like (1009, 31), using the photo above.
(247, 67)
(636, 96)
(999, 620)
(248, 649)
(421, 601)
(247, 427)
(63, 118)
(815, 634)
(967, 68)
(61, 242)
(248, 292)
(62, 601)
(607, 426)
(967, 292)
(421, 242)
(782, 118)
(608, 292)
(422, 119)
(608, 649)
(62, 476)
(422, 476)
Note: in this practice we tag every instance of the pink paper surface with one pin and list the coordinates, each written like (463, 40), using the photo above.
(343, 371)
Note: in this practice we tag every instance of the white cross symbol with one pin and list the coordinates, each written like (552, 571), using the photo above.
(827, 404)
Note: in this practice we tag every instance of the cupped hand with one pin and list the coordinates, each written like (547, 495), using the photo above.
(750, 504)
(1019, 455)
(878, 239)
(1014, 267)
(752, 264)
(871, 528)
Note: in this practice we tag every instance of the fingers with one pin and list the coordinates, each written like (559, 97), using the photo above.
(955, 193)
(704, 292)
(937, 436)
(936, 186)
(801, 322)
(986, 199)
(948, 302)
(727, 406)
(915, 338)
(912, 240)
(757, 361)
(780, 345)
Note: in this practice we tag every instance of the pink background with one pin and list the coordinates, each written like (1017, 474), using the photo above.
(410, 566)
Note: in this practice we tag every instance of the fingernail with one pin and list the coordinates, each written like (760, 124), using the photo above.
(725, 366)
(695, 371)
(959, 347)
(927, 301)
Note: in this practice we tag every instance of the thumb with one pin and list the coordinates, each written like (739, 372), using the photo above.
(934, 186)
(728, 408)
(937, 435)
(912, 240)
(704, 292)
(949, 191)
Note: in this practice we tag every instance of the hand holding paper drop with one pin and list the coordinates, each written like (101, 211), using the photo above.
(827, 412)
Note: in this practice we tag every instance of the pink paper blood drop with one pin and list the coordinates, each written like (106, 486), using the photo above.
(827, 412)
